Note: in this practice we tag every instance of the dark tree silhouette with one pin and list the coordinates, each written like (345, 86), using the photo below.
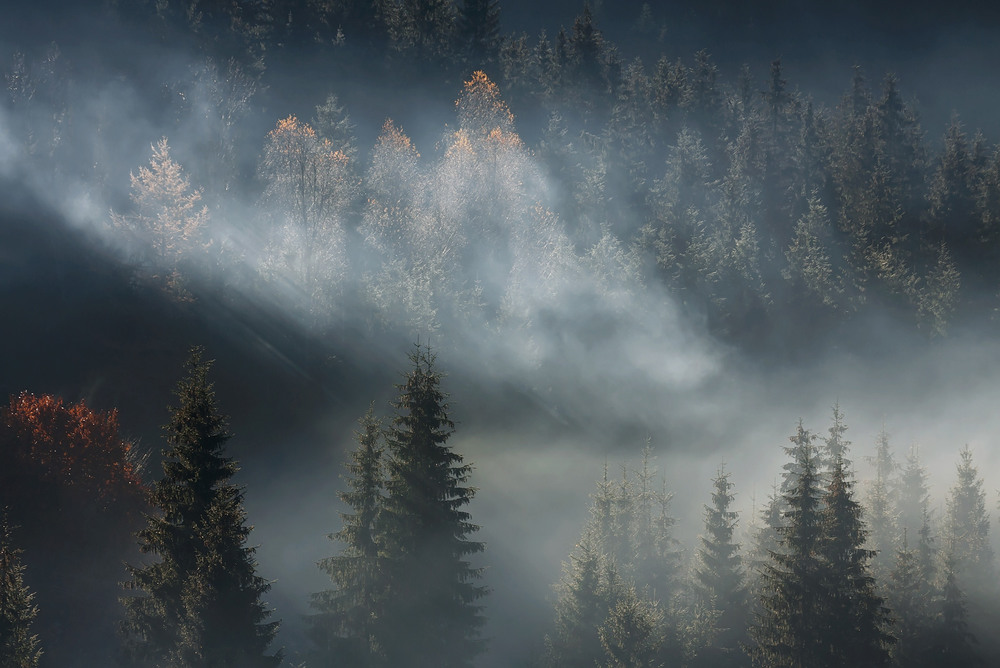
(433, 614)
(855, 628)
(791, 614)
(200, 604)
(344, 628)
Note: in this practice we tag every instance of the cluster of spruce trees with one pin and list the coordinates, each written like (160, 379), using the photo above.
(827, 578)
(753, 202)
(405, 591)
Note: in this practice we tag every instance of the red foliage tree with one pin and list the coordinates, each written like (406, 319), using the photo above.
(71, 483)
(42, 439)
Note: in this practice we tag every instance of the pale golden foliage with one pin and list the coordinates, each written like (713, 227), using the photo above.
(307, 179)
(481, 111)
(168, 219)
(308, 190)
(396, 189)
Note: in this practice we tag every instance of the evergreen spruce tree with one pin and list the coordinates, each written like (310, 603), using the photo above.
(952, 643)
(913, 500)
(766, 540)
(719, 576)
(809, 269)
(581, 607)
(332, 122)
(645, 499)
(19, 647)
(854, 631)
(425, 28)
(586, 54)
(432, 616)
(602, 518)
(938, 297)
(624, 522)
(835, 446)
(791, 611)
(952, 194)
(927, 555)
(621, 581)
(478, 30)
(914, 519)
(667, 556)
(344, 627)
(882, 503)
(967, 526)
(901, 142)
(631, 635)
(657, 560)
(908, 596)
(198, 606)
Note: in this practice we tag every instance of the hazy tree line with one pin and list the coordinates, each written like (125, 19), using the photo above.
(824, 575)
(789, 214)
(829, 572)
(755, 206)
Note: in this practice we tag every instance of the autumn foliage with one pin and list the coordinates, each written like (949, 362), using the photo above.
(71, 483)
(305, 175)
(169, 219)
(480, 108)
(45, 441)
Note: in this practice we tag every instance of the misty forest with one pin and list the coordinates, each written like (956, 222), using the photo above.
(413, 333)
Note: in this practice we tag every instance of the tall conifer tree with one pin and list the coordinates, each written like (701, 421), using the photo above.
(478, 30)
(967, 525)
(582, 606)
(200, 604)
(881, 504)
(952, 642)
(433, 615)
(719, 576)
(856, 618)
(345, 625)
(19, 647)
(909, 599)
(791, 611)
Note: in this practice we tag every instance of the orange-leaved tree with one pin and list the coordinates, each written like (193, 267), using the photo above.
(45, 440)
(71, 482)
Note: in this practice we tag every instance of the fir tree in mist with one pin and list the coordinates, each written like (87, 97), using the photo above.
(582, 606)
(199, 603)
(858, 619)
(910, 596)
(720, 579)
(952, 641)
(785, 632)
(433, 613)
(819, 604)
(344, 628)
(19, 646)
(882, 503)
(967, 525)
(616, 598)
(631, 635)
